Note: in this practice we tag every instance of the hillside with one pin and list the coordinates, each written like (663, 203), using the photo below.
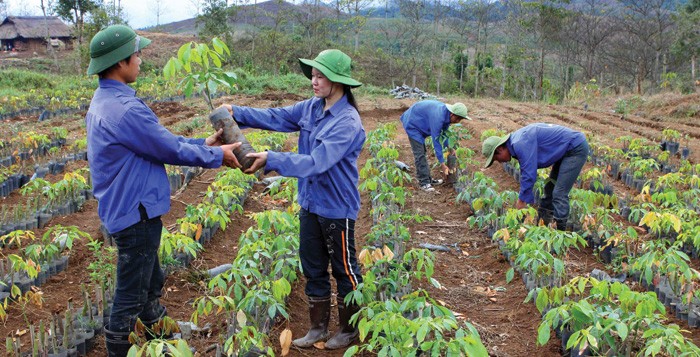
(261, 14)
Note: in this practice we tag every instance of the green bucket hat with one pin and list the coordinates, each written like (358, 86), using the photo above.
(458, 109)
(334, 64)
(488, 148)
(112, 45)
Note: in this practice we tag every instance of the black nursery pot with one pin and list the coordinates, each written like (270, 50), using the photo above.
(221, 118)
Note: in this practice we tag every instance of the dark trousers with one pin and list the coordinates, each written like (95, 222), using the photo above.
(323, 240)
(139, 276)
(561, 179)
(422, 169)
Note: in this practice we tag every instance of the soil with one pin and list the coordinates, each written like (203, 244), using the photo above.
(471, 274)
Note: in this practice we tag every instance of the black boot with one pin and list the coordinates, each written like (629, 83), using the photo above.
(544, 215)
(347, 332)
(561, 223)
(117, 343)
(319, 314)
(158, 328)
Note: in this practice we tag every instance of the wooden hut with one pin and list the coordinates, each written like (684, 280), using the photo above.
(29, 33)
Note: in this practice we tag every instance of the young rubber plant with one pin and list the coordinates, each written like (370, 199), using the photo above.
(201, 66)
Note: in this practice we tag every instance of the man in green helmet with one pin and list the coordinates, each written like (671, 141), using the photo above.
(127, 150)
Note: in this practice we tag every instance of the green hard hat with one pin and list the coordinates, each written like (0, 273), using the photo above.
(112, 45)
(334, 64)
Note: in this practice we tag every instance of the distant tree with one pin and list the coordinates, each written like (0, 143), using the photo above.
(647, 24)
(3, 8)
(406, 38)
(214, 20)
(356, 9)
(196, 6)
(687, 41)
(545, 20)
(482, 14)
(158, 8)
(588, 33)
(49, 45)
(313, 25)
(75, 11)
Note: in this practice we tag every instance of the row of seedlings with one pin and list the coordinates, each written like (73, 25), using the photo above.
(46, 200)
(30, 155)
(50, 103)
(667, 210)
(73, 331)
(397, 319)
(584, 335)
(252, 293)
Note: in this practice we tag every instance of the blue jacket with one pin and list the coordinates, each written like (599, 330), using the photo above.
(427, 118)
(326, 163)
(540, 145)
(127, 150)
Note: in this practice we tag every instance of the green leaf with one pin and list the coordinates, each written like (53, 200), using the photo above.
(542, 300)
(509, 275)
(422, 332)
(622, 330)
(543, 333)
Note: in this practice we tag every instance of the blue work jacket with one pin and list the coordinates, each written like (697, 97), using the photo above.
(427, 118)
(540, 145)
(326, 163)
(127, 150)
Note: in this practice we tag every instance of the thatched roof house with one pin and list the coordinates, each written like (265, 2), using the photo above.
(28, 33)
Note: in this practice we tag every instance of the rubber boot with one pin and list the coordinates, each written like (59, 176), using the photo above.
(118, 344)
(156, 329)
(545, 215)
(561, 223)
(347, 332)
(319, 314)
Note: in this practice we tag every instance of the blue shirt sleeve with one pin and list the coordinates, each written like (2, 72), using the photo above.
(335, 143)
(285, 119)
(141, 133)
(526, 152)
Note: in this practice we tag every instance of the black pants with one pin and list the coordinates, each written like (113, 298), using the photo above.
(139, 276)
(324, 240)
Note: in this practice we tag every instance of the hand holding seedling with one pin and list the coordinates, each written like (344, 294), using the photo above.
(215, 139)
(229, 157)
(520, 204)
(445, 169)
(260, 161)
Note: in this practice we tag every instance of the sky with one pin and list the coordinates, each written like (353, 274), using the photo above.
(139, 13)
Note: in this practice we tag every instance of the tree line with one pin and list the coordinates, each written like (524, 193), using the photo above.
(527, 50)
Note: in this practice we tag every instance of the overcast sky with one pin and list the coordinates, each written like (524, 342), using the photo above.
(139, 13)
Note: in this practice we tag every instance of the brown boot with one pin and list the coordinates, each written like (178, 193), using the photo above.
(347, 332)
(319, 314)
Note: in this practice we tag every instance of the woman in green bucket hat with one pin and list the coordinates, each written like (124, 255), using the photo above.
(331, 137)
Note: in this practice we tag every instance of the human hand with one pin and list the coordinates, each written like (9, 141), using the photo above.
(445, 170)
(228, 107)
(520, 204)
(215, 139)
(260, 161)
(230, 159)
